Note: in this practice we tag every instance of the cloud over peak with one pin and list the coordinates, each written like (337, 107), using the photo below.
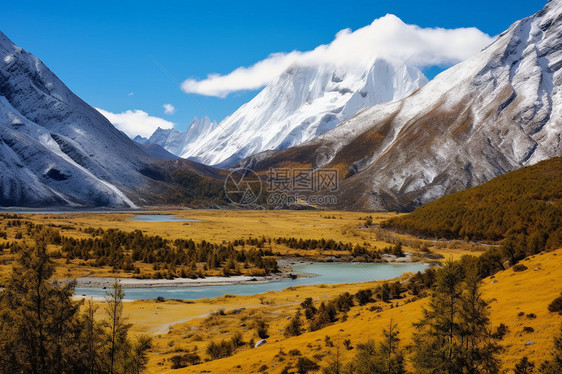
(136, 122)
(386, 37)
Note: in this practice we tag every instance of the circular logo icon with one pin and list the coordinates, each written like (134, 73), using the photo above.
(242, 186)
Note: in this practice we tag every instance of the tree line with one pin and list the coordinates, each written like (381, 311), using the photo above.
(120, 250)
(184, 257)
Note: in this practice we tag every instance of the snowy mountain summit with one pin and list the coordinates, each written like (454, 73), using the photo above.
(176, 142)
(302, 103)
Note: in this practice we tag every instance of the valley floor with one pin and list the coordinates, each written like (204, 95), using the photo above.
(221, 226)
(181, 326)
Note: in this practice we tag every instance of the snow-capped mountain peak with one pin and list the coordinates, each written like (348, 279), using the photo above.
(54, 148)
(303, 102)
(176, 142)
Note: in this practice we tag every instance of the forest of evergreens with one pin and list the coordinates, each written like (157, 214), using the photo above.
(454, 335)
(184, 257)
(194, 190)
(523, 208)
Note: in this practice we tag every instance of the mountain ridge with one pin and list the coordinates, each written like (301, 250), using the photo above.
(493, 113)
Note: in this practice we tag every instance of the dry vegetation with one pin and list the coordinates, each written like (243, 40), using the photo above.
(519, 300)
(217, 335)
(220, 227)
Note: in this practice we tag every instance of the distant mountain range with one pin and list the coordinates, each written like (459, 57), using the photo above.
(178, 142)
(396, 141)
(496, 112)
(302, 103)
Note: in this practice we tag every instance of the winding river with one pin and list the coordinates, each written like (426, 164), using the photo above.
(327, 273)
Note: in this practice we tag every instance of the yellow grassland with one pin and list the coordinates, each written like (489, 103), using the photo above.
(217, 226)
(529, 292)
(181, 326)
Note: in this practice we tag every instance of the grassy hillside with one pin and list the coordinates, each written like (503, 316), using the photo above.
(517, 299)
(525, 203)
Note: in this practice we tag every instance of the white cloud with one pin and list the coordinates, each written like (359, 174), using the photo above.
(387, 37)
(136, 122)
(169, 109)
(131, 94)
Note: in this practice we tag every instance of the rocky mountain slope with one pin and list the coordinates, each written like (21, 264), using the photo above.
(56, 150)
(496, 112)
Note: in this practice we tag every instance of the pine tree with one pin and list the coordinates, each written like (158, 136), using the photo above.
(454, 334)
(119, 346)
(554, 365)
(294, 327)
(91, 340)
(137, 359)
(390, 352)
(524, 366)
(335, 366)
(366, 360)
(388, 358)
(38, 320)
(478, 349)
(435, 348)
(385, 292)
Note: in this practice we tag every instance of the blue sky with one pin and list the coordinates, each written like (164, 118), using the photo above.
(105, 51)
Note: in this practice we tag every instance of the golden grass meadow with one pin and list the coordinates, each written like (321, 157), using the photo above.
(517, 299)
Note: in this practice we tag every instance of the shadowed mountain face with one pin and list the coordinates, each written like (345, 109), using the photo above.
(491, 114)
(56, 150)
